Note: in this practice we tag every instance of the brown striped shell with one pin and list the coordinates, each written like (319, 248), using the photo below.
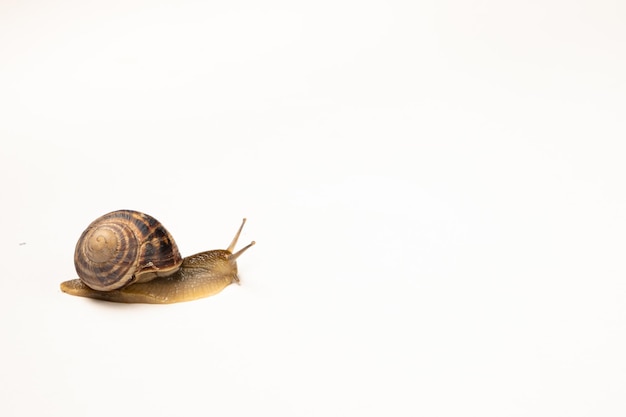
(125, 247)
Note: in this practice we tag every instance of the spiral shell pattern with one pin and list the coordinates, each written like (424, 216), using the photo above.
(124, 247)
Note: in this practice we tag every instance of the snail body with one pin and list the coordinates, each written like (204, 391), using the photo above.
(129, 257)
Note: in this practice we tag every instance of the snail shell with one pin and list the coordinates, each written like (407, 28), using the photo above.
(124, 247)
(129, 257)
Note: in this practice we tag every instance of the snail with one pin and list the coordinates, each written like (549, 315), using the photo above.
(129, 257)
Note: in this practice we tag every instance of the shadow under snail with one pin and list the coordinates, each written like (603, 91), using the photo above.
(129, 257)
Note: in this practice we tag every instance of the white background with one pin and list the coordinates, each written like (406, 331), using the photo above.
(436, 188)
